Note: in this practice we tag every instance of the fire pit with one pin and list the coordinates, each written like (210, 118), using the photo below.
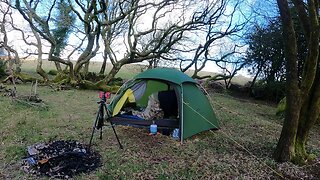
(61, 159)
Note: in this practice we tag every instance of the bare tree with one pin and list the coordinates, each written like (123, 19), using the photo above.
(230, 63)
(4, 42)
(127, 38)
(30, 42)
(217, 27)
(92, 28)
(41, 25)
(112, 31)
(141, 43)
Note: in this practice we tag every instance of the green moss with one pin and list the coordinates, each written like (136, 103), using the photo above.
(27, 77)
(301, 156)
(60, 77)
(53, 72)
(98, 86)
(311, 157)
(116, 81)
(281, 107)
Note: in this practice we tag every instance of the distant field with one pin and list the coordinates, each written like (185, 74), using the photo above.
(126, 72)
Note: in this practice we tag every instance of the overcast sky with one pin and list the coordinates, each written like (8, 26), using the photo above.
(261, 8)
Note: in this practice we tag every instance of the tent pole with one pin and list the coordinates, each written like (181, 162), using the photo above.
(181, 117)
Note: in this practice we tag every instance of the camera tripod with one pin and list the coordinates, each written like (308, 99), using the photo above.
(99, 122)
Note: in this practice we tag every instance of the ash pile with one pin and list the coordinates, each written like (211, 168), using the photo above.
(60, 159)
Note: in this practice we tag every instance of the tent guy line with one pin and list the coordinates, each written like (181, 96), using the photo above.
(235, 142)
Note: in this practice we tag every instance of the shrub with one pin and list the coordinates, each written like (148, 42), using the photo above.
(53, 72)
(273, 91)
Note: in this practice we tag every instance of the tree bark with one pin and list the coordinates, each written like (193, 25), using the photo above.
(83, 57)
(58, 66)
(285, 150)
(39, 69)
(68, 63)
(308, 117)
(86, 68)
(103, 67)
(303, 103)
(115, 69)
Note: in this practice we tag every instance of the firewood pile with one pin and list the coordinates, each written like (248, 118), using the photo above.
(60, 159)
(7, 91)
(31, 99)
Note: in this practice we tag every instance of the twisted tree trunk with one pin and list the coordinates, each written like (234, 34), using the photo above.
(303, 102)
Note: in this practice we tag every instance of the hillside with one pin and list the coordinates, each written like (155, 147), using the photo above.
(126, 71)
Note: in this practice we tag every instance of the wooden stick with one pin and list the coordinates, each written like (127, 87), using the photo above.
(35, 87)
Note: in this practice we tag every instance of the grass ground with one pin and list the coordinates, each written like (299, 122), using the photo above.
(208, 155)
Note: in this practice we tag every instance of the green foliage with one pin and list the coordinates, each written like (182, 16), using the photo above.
(53, 72)
(63, 25)
(265, 54)
(266, 59)
(272, 91)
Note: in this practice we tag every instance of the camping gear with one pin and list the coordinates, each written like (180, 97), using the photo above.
(153, 128)
(102, 111)
(175, 134)
(183, 101)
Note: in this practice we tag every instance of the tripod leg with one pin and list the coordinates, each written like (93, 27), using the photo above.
(94, 126)
(114, 130)
(101, 119)
(91, 137)
(93, 130)
(100, 134)
(120, 145)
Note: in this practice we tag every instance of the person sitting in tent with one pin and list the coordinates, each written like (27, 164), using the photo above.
(152, 111)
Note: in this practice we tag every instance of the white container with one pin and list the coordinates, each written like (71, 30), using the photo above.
(176, 134)
(153, 128)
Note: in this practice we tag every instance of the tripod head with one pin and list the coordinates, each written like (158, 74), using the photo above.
(103, 97)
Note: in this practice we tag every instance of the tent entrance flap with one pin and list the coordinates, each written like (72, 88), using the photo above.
(126, 97)
(131, 95)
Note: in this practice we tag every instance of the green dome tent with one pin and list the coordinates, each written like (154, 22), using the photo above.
(194, 111)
